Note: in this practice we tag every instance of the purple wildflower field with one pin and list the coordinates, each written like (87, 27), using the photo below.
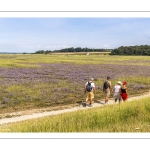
(62, 83)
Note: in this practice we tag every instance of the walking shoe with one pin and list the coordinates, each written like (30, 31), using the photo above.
(84, 104)
(90, 105)
(106, 103)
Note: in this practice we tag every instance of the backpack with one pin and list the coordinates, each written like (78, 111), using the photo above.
(106, 85)
(89, 87)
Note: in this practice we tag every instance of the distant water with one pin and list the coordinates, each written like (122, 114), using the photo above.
(10, 53)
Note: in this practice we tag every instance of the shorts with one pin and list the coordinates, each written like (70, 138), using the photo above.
(90, 95)
(107, 92)
(117, 96)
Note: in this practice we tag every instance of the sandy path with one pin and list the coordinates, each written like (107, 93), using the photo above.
(71, 109)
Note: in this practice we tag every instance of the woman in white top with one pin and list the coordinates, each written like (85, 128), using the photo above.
(116, 91)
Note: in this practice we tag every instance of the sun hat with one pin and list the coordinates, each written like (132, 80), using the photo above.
(92, 79)
(119, 82)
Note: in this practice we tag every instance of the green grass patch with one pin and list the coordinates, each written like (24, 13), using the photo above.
(126, 117)
(31, 81)
(32, 60)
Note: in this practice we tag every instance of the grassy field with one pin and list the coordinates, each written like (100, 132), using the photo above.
(45, 81)
(131, 116)
(34, 60)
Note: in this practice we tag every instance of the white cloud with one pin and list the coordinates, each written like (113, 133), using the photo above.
(3, 42)
(106, 46)
(66, 46)
(39, 46)
(52, 47)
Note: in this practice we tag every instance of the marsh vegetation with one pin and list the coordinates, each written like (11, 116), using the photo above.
(32, 81)
(37, 81)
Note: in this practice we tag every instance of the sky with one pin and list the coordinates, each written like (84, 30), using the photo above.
(32, 34)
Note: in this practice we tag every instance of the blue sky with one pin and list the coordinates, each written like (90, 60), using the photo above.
(33, 34)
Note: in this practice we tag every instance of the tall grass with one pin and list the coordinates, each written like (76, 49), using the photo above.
(131, 116)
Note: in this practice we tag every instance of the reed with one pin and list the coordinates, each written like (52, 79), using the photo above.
(133, 116)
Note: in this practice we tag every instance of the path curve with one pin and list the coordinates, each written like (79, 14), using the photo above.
(71, 109)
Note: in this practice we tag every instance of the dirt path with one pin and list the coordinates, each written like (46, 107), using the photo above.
(21, 116)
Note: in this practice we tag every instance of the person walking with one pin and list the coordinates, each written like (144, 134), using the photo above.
(107, 87)
(116, 91)
(90, 91)
(123, 91)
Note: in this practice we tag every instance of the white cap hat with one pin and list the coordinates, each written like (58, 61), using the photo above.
(119, 82)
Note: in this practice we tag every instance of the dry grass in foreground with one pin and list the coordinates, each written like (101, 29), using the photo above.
(131, 116)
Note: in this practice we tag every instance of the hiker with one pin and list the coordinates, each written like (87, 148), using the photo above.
(106, 89)
(116, 91)
(123, 91)
(90, 90)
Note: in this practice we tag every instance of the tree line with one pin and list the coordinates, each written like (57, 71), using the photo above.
(122, 50)
(132, 50)
(71, 49)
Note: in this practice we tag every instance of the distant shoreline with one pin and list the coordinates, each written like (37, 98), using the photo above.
(10, 53)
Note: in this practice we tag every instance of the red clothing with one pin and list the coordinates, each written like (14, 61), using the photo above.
(124, 96)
